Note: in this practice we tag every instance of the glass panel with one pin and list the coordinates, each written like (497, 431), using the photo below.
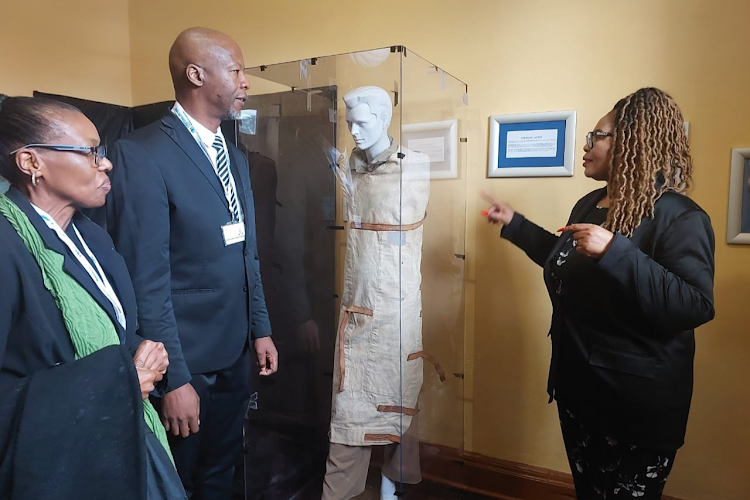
(294, 193)
(365, 293)
(434, 123)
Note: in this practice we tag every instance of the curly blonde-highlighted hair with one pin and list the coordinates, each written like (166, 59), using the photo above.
(650, 156)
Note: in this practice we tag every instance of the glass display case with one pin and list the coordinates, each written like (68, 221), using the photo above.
(358, 168)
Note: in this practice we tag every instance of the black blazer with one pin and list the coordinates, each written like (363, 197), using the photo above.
(43, 392)
(623, 332)
(203, 300)
(32, 332)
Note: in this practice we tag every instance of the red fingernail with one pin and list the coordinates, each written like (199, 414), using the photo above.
(561, 230)
(485, 212)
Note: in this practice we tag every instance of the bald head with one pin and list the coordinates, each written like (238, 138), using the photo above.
(201, 47)
(208, 71)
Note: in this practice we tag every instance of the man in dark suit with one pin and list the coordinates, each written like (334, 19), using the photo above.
(181, 213)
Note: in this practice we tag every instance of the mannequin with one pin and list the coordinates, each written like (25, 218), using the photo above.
(378, 361)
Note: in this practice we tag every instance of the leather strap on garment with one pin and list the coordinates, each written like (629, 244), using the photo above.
(398, 409)
(359, 310)
(383, 437)
(429, 357)
(342, 359)
(387, 227)
(342, 329)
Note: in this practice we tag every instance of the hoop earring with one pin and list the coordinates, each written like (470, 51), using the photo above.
(34, 182)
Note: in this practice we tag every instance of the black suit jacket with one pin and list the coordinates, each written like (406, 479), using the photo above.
(67, 428)
(623, 330)
(31, 324)
(203, 300)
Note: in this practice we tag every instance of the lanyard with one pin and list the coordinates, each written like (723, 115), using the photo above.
(231, 192)
(180, 113)
(96, 274)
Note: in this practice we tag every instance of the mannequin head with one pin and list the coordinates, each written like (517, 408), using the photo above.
(368, 114)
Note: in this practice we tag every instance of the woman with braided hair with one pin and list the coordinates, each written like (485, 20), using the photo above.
(630, 278)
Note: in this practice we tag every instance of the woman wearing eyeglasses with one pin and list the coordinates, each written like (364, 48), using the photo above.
(630, 278)
(75, 418)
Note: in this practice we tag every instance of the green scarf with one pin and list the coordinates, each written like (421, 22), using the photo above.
(90, 328)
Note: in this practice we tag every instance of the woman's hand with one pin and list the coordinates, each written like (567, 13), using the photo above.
(151, 356)
(147, 379)
(499, 211)
(591, 240)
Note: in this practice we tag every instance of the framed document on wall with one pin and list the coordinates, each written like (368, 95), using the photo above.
(439, 141)
(738, 220)
(532, 144)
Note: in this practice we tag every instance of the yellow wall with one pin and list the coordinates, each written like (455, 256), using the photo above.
(540, 56)
(79, 48)
(516, 57)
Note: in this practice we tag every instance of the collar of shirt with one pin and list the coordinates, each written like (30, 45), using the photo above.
(358, 160)
(207, 137)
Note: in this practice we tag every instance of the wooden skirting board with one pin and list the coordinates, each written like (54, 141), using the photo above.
(491, 477)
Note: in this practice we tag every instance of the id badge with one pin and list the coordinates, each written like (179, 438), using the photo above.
(234, 232)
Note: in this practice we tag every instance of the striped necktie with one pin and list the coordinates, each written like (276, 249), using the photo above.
(222, 171)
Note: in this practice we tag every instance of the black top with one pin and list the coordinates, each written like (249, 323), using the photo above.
(622, 326)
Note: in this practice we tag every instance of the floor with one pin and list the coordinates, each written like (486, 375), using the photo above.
(311, 489)
(423, 491)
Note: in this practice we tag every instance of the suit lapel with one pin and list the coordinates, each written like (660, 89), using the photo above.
(114, 267)
(176, 130)
(586, 207)
(71, 266)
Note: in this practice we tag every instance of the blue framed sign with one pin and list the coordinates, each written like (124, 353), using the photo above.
(532, 144)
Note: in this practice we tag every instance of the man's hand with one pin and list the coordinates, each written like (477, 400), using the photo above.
(151, 356)
(180, 411)
(268, 358)
(591, 240)
(309, 336)
(147, 379)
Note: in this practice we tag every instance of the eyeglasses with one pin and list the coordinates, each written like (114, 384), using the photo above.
(598, 134)
(99, 152)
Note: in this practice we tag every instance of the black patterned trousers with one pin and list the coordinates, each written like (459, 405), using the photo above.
(605, 469)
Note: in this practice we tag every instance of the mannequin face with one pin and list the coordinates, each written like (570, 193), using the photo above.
(366, 128)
